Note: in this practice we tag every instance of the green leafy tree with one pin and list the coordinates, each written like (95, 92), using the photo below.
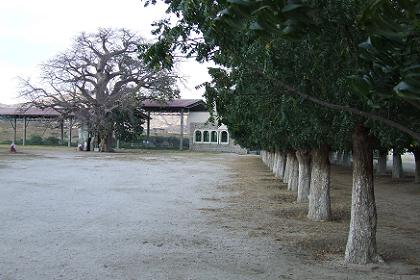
(285, 54)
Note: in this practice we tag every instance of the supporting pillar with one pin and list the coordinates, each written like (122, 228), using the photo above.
(148, 128)
(14, 131)
(62, 132)
(118, 143)
(69, 132)
(181, 141)
(25, 124)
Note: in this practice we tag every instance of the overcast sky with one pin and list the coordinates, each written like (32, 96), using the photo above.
(31, 32)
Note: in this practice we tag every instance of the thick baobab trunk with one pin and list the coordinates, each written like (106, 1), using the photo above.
(416, 153)
(287, 167)
(361, 243)
(397, 169)
(292, 183)
(319, 192)
(382, 159)
(106, 143)
(304, 160)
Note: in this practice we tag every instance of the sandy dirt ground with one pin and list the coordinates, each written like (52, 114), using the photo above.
(172, 215)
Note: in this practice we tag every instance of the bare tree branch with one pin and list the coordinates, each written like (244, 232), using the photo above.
(95, 76)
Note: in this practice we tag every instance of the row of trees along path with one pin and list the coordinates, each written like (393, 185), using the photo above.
(298, 79)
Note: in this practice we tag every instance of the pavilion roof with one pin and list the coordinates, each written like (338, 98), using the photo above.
(175, 105)
(28, 112)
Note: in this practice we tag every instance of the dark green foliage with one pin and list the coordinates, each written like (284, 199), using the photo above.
(129, 119)
(52, 141)
(272, 54)
(35, 140)
(155, 142)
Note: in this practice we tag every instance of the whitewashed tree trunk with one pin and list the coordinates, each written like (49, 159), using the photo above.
(397, 169)
(346, 159)
(267, 157)
(319, 192)
(416, 154)
(333, 157)
(304, 160)
(382, 159)
(287, 168)
(361, 243)
(281, 165)
(292, 183)
(262, 156)
(271, 161)
(340, 158)
(275, 163)
(279, 160)
(267, 154)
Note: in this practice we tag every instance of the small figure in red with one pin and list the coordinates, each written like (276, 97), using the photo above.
(13, 148)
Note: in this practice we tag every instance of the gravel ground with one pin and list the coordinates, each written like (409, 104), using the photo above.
(96, 216)
(150, 215)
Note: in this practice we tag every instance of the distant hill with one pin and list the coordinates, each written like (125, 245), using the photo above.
(8, 105)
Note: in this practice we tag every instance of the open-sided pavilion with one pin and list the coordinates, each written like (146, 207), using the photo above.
(181, 106)
(28, 114)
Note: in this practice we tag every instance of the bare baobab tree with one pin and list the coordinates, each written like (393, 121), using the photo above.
(96, 78)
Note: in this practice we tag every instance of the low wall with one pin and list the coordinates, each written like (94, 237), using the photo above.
(229, 147)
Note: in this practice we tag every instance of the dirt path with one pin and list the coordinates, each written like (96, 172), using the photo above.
(159, 215)
(263, 208)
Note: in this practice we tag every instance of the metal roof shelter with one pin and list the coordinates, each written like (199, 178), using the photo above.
(15, 113)
(30, 112)
(176, 105)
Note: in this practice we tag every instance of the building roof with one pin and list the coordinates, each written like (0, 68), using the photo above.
(29, 112)
(175, 105)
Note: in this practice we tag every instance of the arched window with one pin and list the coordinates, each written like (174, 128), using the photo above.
(213, 137)
(224, 137)
(198, 136)
(206, 136)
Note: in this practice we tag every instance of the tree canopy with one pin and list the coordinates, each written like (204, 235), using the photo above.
(207, 29)
(310, 74)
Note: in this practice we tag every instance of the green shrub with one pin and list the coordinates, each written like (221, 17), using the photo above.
(35, 140)
(53, 141)
(156, 142)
